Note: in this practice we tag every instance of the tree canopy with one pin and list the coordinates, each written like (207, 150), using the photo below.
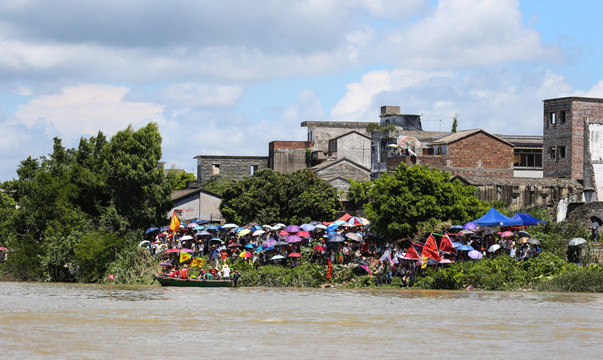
(268, 197)
(72, 196)
(415, 198)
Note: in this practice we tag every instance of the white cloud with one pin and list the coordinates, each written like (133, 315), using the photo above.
(83, 110)
(463, 33)
(358, 102)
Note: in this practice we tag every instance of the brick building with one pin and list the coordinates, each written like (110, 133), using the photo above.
(564, 134)
(469, 152)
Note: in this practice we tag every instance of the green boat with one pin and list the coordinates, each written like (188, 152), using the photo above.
(165, 280)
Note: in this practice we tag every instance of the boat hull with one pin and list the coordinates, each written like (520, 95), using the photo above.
(168, 281)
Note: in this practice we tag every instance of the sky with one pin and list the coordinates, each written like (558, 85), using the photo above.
(227, 77)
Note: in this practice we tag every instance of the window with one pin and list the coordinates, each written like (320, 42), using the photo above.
(215, 169)
(552, 119)
(253, 169)
(310, 135)
(561, 152)
(528, 157)
(333, 146)
(562, 117)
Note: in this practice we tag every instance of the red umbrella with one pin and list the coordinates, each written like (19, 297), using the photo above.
(303, 233)
(507, 234)
(173, 250)
(283, 233)
(2, 248)
(294, 255)
(235, 244)
(319, 248)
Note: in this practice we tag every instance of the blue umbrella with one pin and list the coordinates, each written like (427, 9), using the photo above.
(466, 248)
(202, 233)
(308, 227)
(212, 227)
(151, 230)
(164, 228)
(196, 228)
(249, 246)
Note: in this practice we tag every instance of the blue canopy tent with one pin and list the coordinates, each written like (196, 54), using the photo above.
(527, 219)
(494, 218)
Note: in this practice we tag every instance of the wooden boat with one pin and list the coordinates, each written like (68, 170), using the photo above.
(165, 280)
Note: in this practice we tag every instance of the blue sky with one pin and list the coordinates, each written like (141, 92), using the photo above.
(228, 77)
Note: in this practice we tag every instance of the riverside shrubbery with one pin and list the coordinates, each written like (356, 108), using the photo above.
(546, 273)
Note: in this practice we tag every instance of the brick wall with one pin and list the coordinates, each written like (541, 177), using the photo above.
(568, 134)
(481, 150)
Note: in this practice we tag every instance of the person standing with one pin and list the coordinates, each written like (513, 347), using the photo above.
(595, 232)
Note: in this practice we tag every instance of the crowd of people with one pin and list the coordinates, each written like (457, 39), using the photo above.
(348, 242)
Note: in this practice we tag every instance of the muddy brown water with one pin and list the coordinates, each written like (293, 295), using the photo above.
(68, 321)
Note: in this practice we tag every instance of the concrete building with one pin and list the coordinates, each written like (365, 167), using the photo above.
(233, 167)
(520, 193)
(289, 156)
(196, 203)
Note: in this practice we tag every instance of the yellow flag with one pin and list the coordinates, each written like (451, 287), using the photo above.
(193, 262)
(184, 256)
(174, 223)
(424, 262)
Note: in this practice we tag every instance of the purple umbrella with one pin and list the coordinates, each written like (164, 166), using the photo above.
(475, 255)
(292, 229)
(269, 243)
(470, 226)
(293, 239)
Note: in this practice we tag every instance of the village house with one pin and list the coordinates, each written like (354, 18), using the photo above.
(516, 169)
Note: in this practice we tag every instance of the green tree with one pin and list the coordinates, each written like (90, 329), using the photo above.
(455, 122)
(138, 189)
(269, 197)
(417, 198)
(178, 179)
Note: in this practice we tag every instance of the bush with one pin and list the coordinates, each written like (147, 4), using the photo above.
(575, 279)
(134, 265)
(303, 275)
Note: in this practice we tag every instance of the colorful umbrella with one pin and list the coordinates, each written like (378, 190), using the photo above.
(173, 250)
(507, 234)
(303, 233)
(319, 248)
(354, 221)
(475, 255)
(295, 255)
(192, 225)
(244, 232)
(187, 250)
(293, 239)
(292, 229)
(246, 254)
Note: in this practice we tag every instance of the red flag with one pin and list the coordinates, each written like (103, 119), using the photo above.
(430, 250)
(411, 254)
(329, 269)
(446, 245)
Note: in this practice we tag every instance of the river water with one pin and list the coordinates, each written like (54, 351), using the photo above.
(60, 321)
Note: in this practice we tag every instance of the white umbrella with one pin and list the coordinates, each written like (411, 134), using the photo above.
(277, 257)
(258, 233)
(230, 226)
(493, 248)
(577, 242)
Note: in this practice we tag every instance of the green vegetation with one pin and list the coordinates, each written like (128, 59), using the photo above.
(80, 210)
(375, 127)
(269, 197)
(546, 272)
(414, 200)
